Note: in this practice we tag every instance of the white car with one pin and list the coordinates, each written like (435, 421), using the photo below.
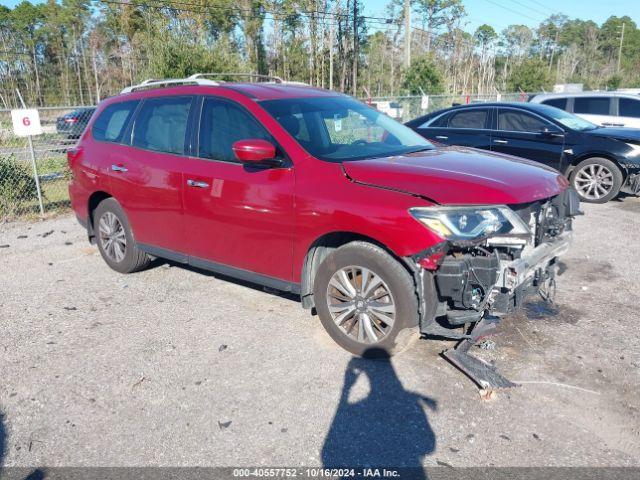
(609, 109)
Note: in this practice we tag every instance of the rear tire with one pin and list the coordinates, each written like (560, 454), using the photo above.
(597, 180)
(373, 311)
(115, 238)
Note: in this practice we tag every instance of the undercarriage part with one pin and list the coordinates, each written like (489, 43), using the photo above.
(482, 373)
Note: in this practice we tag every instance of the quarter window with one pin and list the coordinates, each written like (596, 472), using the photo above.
(475, 118)
(591, 105)
(560, 103)
(629, 107)
(161, 124)
(110, 125)
(513, 121)
(439, 122)
(221, 125)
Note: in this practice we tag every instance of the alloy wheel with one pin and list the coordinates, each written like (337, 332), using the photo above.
(112, 237)
(361, 304)
(593, 181)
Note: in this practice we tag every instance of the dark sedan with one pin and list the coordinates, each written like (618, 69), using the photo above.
(72, 124)
(598, 161)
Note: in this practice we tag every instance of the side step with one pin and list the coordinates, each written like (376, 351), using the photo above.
(482, 373)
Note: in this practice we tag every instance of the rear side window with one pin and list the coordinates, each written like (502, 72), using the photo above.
(161, 124)
(513, 121)
(629, 107)
(221, 125)
(560, 103)
(591, 105)
(110, 125)
(469, 119)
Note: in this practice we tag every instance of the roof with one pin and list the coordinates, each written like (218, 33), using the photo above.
(544, 96)
(274, 91)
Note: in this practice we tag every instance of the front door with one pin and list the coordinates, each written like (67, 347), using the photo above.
(236, 215)
(525, 135)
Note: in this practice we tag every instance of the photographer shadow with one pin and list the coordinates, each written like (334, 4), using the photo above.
(386, 429)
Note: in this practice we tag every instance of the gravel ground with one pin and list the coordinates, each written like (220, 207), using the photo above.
(174, 366)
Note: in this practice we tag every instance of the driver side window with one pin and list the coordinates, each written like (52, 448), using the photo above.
(514, 121)
(223, 123)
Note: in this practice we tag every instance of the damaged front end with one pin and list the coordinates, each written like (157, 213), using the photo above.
(493, 258)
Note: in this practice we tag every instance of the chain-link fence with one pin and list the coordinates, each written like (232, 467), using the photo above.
(20, 194)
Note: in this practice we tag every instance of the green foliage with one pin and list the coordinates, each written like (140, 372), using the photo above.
(530, 76)
(17, 186)
(614, 82)
(423, 74)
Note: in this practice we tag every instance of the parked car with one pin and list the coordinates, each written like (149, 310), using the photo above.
(312, 192)
(598, 161)
(607, 109)
(73, 124)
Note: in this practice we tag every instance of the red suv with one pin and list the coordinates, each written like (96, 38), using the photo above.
(308, 191)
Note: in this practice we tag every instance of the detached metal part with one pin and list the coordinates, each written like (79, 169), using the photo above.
(482, 373)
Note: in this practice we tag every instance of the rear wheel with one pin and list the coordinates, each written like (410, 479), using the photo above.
(115, 238)
(366, 300)
(597, 180)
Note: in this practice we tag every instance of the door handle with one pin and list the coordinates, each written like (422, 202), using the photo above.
(442, 137)
(119, 168)
(504, 142)
(196, 184)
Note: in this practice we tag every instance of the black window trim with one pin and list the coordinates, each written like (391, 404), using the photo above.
(552, 123)
(459, 110)
(195, 143)
(122, 138)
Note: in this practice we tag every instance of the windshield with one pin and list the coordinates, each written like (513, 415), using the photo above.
(341, 129)
(569, 120)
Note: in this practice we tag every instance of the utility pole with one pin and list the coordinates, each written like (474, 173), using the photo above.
(620, 47)
(331, 34)
(407, 33)
(355, 47)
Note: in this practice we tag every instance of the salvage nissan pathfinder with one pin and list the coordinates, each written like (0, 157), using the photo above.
(308, 191)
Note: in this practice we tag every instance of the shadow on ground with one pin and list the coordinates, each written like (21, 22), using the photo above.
(3, 440)
(386, 427)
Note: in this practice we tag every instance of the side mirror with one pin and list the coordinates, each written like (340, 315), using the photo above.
(254, 150)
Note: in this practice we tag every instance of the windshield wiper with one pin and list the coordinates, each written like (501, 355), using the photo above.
(421, 149)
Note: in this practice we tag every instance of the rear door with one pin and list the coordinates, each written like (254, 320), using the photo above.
(146, 176)
(527, 135)
(597, 109)
(629, 112)
(468, 127)
(237, 215)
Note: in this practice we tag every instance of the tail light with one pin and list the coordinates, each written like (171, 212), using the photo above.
(71, 120)
(73, 155)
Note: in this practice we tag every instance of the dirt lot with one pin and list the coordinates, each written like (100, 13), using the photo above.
(177, 367)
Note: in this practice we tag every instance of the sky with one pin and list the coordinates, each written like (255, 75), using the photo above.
(501, 13)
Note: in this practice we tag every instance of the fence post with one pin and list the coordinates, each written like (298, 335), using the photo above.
(33, 162)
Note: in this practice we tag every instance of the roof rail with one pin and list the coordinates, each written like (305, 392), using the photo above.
(269, 78)
(168, 82)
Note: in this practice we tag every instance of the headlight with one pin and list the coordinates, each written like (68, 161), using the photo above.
(470, 223)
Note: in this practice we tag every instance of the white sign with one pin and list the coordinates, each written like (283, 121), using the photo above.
(424, 102)
(26, 122)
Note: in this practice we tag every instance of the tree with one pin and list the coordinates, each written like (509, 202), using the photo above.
(530, 76)
(423, 75)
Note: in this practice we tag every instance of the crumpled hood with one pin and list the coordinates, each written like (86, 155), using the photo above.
(460, 176)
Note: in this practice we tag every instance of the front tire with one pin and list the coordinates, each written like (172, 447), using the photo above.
(366, 300)
(597, 180)
(115, 238)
